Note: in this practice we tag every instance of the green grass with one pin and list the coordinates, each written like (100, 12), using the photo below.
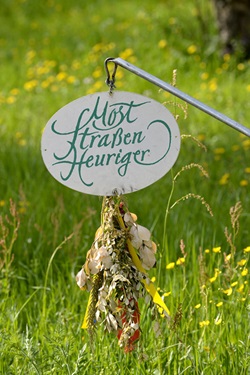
(52, 53)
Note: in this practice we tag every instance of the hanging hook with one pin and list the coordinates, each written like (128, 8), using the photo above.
(110, 81)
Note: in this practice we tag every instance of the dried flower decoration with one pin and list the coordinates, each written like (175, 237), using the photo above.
(115, 274)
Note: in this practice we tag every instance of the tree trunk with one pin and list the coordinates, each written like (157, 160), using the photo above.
(234, 26)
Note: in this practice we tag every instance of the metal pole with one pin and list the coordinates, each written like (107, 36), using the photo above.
(173, 90)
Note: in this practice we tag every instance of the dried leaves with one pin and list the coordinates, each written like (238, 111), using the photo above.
(111, 276)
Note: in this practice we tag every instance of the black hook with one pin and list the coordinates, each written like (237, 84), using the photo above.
(110, 81)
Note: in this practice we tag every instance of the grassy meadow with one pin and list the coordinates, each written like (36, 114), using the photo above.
(53, 52)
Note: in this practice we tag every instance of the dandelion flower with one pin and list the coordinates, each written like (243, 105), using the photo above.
(197, 306)
(242, 262)
(244, 272)
(240, 66)
(204, 76)
(204, 323)
(217, 321)
(162, 43)
(191, 49)
(219, 151)
(228, 291)
(180, 261)
(169, 266)
(217, 249)
(234, 283)
(166, 294)
(240, 289)
(224, 179)
(212, 279)
(243, 183)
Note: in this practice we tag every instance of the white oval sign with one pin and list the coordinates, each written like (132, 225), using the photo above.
(104, 144)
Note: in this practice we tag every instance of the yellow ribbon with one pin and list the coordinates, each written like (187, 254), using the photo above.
(150, 288)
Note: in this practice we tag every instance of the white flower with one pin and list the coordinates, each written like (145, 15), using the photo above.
(81, 278)
(147, 257)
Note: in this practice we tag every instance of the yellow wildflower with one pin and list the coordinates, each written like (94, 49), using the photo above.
(247, 249)
(217, 321)
(166, 294)
(243, 183)
(241, 66)
(219, 151)
(246, 143)
(128, 52)
(240, 289)
(71, 79)
(247, 170)
(234, 283)
(228, 257)
(224, 179)
(153, 279)
(226, 57)
(204, 76)
(213, 87)
(169, 266)
(219, 304)
(76, 65)
(212, 279)
(11, 99)
(162, 43)
(30, 85)
(45, 84)
(97, 72)
(191, 49)
(180, 261)
(242, 262)
(225, 66)
(228, 291)
(2, 203)
(22, 142)
(244, 272)
(197, 306)
(217, 249)
(235, 147)
(207, 251)
(61, 76)
(216, 273)
(204, 323)
(14, 91)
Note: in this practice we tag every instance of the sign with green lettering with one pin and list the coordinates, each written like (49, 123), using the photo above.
(104, 144)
